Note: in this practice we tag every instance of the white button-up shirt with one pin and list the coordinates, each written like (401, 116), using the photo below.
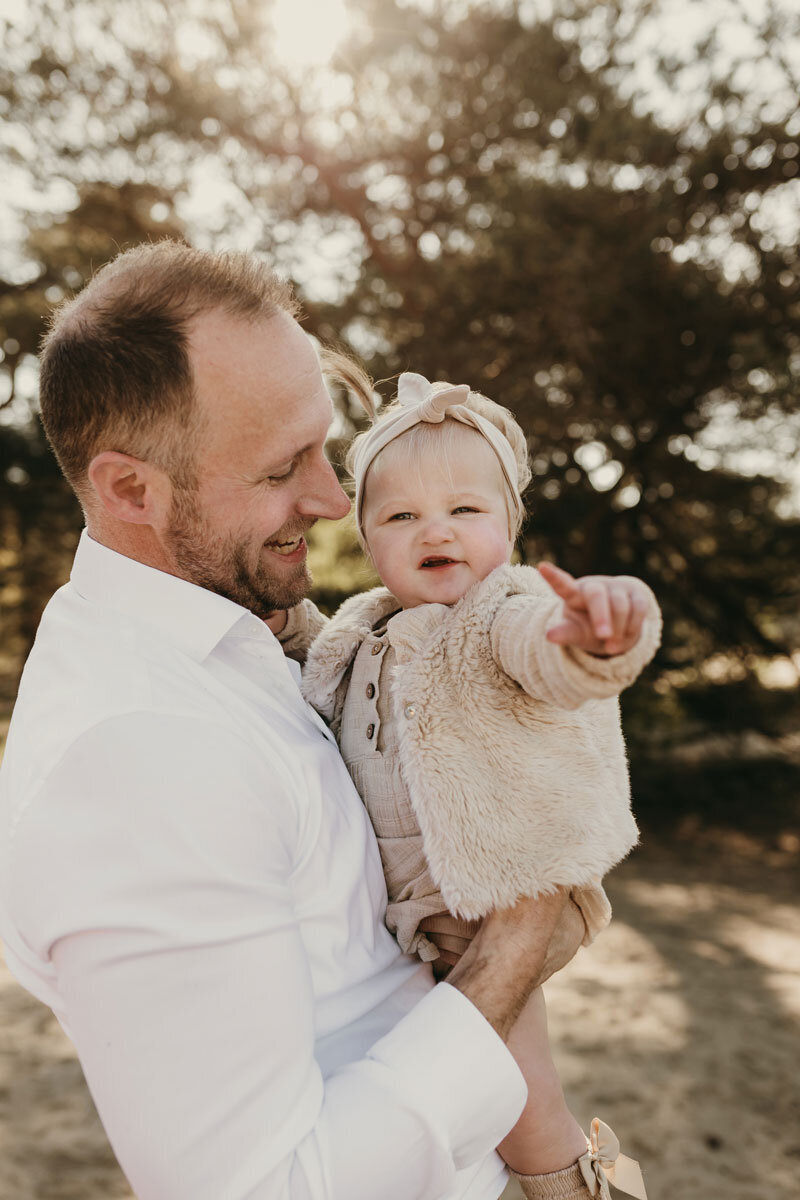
(188, 878)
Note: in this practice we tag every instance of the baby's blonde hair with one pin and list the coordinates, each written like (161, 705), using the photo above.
(426, 435)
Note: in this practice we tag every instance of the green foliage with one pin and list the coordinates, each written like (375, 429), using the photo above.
(519, 217)
(726, 791)
(337, 564)
(39, 516)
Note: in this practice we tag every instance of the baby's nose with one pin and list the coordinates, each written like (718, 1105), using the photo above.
(438, 530)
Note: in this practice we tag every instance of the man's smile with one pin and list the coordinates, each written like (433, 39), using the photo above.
(295, 548)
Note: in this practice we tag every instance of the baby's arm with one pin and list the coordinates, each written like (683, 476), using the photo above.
(302, 624)
(590, 641)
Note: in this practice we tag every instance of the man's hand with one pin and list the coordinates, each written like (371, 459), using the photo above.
(602, 614)
(564, 944)
(506, 959)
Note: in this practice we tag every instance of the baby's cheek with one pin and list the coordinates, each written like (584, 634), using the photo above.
(498, 550)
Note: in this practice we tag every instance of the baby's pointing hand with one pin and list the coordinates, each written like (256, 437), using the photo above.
(602, 614)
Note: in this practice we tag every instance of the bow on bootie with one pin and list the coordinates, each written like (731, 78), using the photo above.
(602, 1163)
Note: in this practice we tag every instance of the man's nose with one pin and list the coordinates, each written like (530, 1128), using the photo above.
(324, 495)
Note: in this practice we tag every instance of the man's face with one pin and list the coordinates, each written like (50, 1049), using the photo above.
(262, 476)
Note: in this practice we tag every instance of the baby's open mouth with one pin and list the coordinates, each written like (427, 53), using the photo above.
(437, 561)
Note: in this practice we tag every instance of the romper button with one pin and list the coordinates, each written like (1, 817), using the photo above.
(409, 711)
(376, 649)
(370, 690)
(370, 731)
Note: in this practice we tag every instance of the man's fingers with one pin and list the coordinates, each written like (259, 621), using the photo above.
(567, 939)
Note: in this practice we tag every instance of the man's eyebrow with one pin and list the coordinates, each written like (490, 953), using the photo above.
(292, 458)
(298, 453)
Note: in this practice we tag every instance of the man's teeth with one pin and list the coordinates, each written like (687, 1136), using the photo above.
(285, 547)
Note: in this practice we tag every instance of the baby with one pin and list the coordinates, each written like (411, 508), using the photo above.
(475, 706)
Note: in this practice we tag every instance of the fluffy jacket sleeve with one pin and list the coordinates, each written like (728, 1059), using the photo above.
(563, 675)
(303, 623)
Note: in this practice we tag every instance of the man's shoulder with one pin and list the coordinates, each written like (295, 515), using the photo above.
(91, 657)
(111, 736)
(90, 667)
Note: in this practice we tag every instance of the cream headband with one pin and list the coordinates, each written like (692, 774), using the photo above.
(421, 401)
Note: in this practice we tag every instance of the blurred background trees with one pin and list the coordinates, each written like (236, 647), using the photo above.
(576, 207)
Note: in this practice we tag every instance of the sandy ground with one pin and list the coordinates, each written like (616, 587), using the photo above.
(681, 1027)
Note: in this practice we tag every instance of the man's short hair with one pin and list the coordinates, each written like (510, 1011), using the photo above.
(115, 370)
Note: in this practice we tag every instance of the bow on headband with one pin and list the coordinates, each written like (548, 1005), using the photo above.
(604, 1163)
(421, 401)
(431, 400)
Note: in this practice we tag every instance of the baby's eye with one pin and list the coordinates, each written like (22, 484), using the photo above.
(462, 508)
(401, 516)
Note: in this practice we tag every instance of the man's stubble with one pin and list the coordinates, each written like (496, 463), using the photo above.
(220, 563)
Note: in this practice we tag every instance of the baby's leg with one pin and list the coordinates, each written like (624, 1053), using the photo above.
(547, 1137)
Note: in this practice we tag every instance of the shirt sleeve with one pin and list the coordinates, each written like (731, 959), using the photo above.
(564, 676)
(183, 981)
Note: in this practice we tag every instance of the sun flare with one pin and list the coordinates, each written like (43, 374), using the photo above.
(307, 32)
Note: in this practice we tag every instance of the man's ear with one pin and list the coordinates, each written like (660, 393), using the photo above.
(130, 489)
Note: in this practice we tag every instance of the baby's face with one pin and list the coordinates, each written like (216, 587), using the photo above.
(434, 528)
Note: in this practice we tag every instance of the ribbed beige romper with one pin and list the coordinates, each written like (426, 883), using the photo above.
(369, 745)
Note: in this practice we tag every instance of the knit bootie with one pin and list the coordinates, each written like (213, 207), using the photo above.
(591, 1174)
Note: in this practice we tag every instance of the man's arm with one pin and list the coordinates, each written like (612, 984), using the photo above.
(504, 961)
(186, 987)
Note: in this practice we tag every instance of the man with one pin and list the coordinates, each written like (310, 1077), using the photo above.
(188, 876)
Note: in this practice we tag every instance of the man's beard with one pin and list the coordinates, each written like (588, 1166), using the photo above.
(219, 563)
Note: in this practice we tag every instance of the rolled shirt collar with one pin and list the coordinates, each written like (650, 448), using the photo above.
(191, 617)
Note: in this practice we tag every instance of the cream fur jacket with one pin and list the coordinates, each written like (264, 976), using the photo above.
(512, 748)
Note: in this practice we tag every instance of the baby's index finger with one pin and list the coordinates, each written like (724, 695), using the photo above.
(562, 583)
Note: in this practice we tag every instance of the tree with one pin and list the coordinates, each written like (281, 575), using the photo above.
(39, 516)
(516, 215)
